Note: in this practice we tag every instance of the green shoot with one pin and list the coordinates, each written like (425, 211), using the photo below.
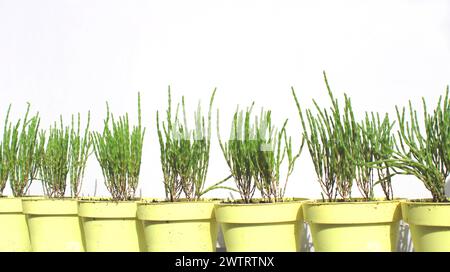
(80, 149)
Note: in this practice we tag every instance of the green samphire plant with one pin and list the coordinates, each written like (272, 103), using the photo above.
(344, 150)
(6, 153)
(24, 152)
(54, 160)
(373, 150)
(65, 155)
(254, 154)
(185, 152)
(424, 146)
(119, 152)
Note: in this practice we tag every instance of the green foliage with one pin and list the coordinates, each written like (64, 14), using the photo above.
(344, 151)
(238, 151)
(6, 153)
(26, 149)
(119, 153)
(374, 149)
(254, 154)
(331, 142)
(66, 152)
(185, 153)
(54, 164)
(424, 150)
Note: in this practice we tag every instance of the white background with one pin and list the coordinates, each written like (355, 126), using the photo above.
(71, 56)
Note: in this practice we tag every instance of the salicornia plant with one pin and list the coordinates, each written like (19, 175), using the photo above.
(272, 147)
(54, 165)
(331, 141)
(6, 153)
(65, 153)
(424, 150)
(372, 151)
(238, 151)
(344, 151)
(119, 153)
(184, 152)
(255, 152)
(25, 157)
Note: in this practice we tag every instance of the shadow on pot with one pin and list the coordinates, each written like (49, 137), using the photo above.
(220, 241)
(307, 244)
(404, 239)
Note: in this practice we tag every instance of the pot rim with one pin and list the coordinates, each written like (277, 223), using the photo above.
(49, 199)
(288, 200)
(156, 201)
(50, 206)
(105, 200)
(375, 201)
(423, 201)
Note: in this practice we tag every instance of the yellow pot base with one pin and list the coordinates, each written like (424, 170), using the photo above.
(179, 226)
(355, 237)
(429, 224)
(13, 227)
(353, 226)
(54, 225)
(111, 226)
(265, 227)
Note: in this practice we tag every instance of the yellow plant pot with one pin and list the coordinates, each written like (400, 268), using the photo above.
(353, 226)
(111, 226)
(53, 224)
(265, 227)
(429, 224)
(179, 226)
(13, 226)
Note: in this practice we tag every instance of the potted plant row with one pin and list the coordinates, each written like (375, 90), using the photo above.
(347, 153)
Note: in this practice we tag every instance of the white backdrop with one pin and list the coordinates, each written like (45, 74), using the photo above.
(71, 56)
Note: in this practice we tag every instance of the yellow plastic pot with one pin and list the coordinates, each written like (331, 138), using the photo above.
(13, 226)
(111, 226)
(353, 226)
(429, 224)
(53, 224)
(265, 227)
(179, 226)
